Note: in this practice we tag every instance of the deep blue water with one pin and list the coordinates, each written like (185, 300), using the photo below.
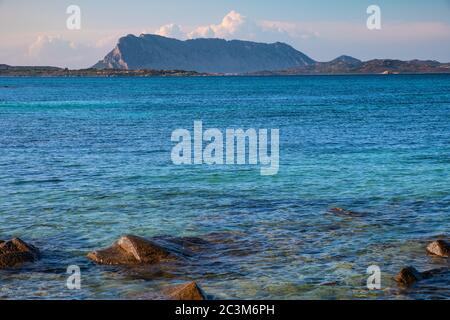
(85, 160)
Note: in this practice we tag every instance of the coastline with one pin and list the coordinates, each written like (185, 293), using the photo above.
(82, 73)
(200, 75)
(49, 72)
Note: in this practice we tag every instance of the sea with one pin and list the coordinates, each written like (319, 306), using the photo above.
(86, 160)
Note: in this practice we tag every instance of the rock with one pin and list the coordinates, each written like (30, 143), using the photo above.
(16, 252)
(202, 55)
(131, 250)
(408, 276)
(439, 248)
(187, 292)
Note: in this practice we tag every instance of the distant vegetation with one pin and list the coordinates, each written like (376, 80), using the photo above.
(9, 71)
(349, 65)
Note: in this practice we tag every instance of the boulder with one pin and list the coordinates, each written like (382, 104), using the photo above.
(408, 276)
(16, 252)
(439, 248)
(131, 250)
(187, 292)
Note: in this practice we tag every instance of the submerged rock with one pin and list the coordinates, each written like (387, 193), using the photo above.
(343, 211)
(16, 252)
(408, 276)
(439, 248)
(188, 292)
(131, 250)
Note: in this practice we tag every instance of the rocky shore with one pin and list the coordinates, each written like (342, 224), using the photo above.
(410, 275)
(131, 251)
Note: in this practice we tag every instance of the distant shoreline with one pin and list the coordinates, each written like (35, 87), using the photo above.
(222, 76)
(31, 71)
(55, 72)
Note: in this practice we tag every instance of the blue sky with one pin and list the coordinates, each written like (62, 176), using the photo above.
(34, 32)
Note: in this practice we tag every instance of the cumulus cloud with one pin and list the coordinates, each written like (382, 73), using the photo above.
(232, 24)
(237, 26)
(171, 31)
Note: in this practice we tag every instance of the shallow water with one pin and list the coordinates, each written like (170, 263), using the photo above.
(86, 160)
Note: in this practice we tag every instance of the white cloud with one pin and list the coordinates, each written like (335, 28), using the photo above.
(237, 26)
(232, 25)
(171, 31)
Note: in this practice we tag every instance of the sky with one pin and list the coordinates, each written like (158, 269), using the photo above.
(35, 32)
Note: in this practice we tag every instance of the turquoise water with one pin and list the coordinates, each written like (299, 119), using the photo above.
(86, 160)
